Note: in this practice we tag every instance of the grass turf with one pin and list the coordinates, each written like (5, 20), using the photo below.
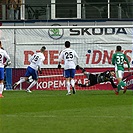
(54, 112)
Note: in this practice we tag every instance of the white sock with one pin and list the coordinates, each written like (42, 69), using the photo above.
(72, 82)
(21, 81)
(32, 84)
(1, 88)
(68, 86)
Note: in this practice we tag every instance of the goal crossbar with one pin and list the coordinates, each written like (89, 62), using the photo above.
(65, 27)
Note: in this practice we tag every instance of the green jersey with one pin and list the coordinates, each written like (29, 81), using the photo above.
(118, 60)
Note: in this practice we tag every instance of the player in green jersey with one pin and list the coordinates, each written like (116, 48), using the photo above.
(118, 60)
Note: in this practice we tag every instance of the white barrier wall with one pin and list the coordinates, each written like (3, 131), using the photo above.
(94, 46)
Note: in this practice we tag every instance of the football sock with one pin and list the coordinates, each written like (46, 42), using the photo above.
(1, 88)
(119, 87)
(32, 84)
(21, 81)
(72, 82)
(121, 84)
(68, 86)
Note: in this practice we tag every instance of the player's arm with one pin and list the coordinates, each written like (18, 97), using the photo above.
(77, 61)
(31, 57)
(39, 70)
(7, 63)
(60, 59)
(127, 62)
(87, 74)
(112, 83)
(8, 60)
(81, 68)
(39, 65)
(113, 59)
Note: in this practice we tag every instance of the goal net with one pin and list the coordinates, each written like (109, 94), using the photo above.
(95, 46)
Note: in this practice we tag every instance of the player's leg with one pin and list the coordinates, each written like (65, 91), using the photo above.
(31, 85)
(20, 81)
(67, 76)
(119, 76)
(124, 79)
(1, 89)
(68, 86)
(72, 80)
(83, 70)
(1, 82)
(73, 85)
(34, 75)
(27, 74)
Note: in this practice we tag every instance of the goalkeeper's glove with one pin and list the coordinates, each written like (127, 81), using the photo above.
(59, 66)
(83, 70)
(40, 71)
(77, 67)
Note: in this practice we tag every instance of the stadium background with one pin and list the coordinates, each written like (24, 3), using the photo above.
(96, 47)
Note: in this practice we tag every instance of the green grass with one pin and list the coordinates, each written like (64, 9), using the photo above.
(54, 112)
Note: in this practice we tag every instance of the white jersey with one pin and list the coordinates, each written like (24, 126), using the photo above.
(3, 55)
(70, 58)
(36, 60)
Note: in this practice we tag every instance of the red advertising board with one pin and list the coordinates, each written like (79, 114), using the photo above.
(52, 79)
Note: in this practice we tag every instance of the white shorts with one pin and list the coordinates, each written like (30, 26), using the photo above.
(119, 74)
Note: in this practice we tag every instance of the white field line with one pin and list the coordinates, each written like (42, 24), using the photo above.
(54, 116)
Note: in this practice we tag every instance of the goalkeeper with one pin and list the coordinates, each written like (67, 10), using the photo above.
(94, 79)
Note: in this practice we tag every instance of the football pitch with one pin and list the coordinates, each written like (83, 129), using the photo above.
(54, 112)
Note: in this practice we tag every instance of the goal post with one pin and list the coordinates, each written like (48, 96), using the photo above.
(95, 45)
